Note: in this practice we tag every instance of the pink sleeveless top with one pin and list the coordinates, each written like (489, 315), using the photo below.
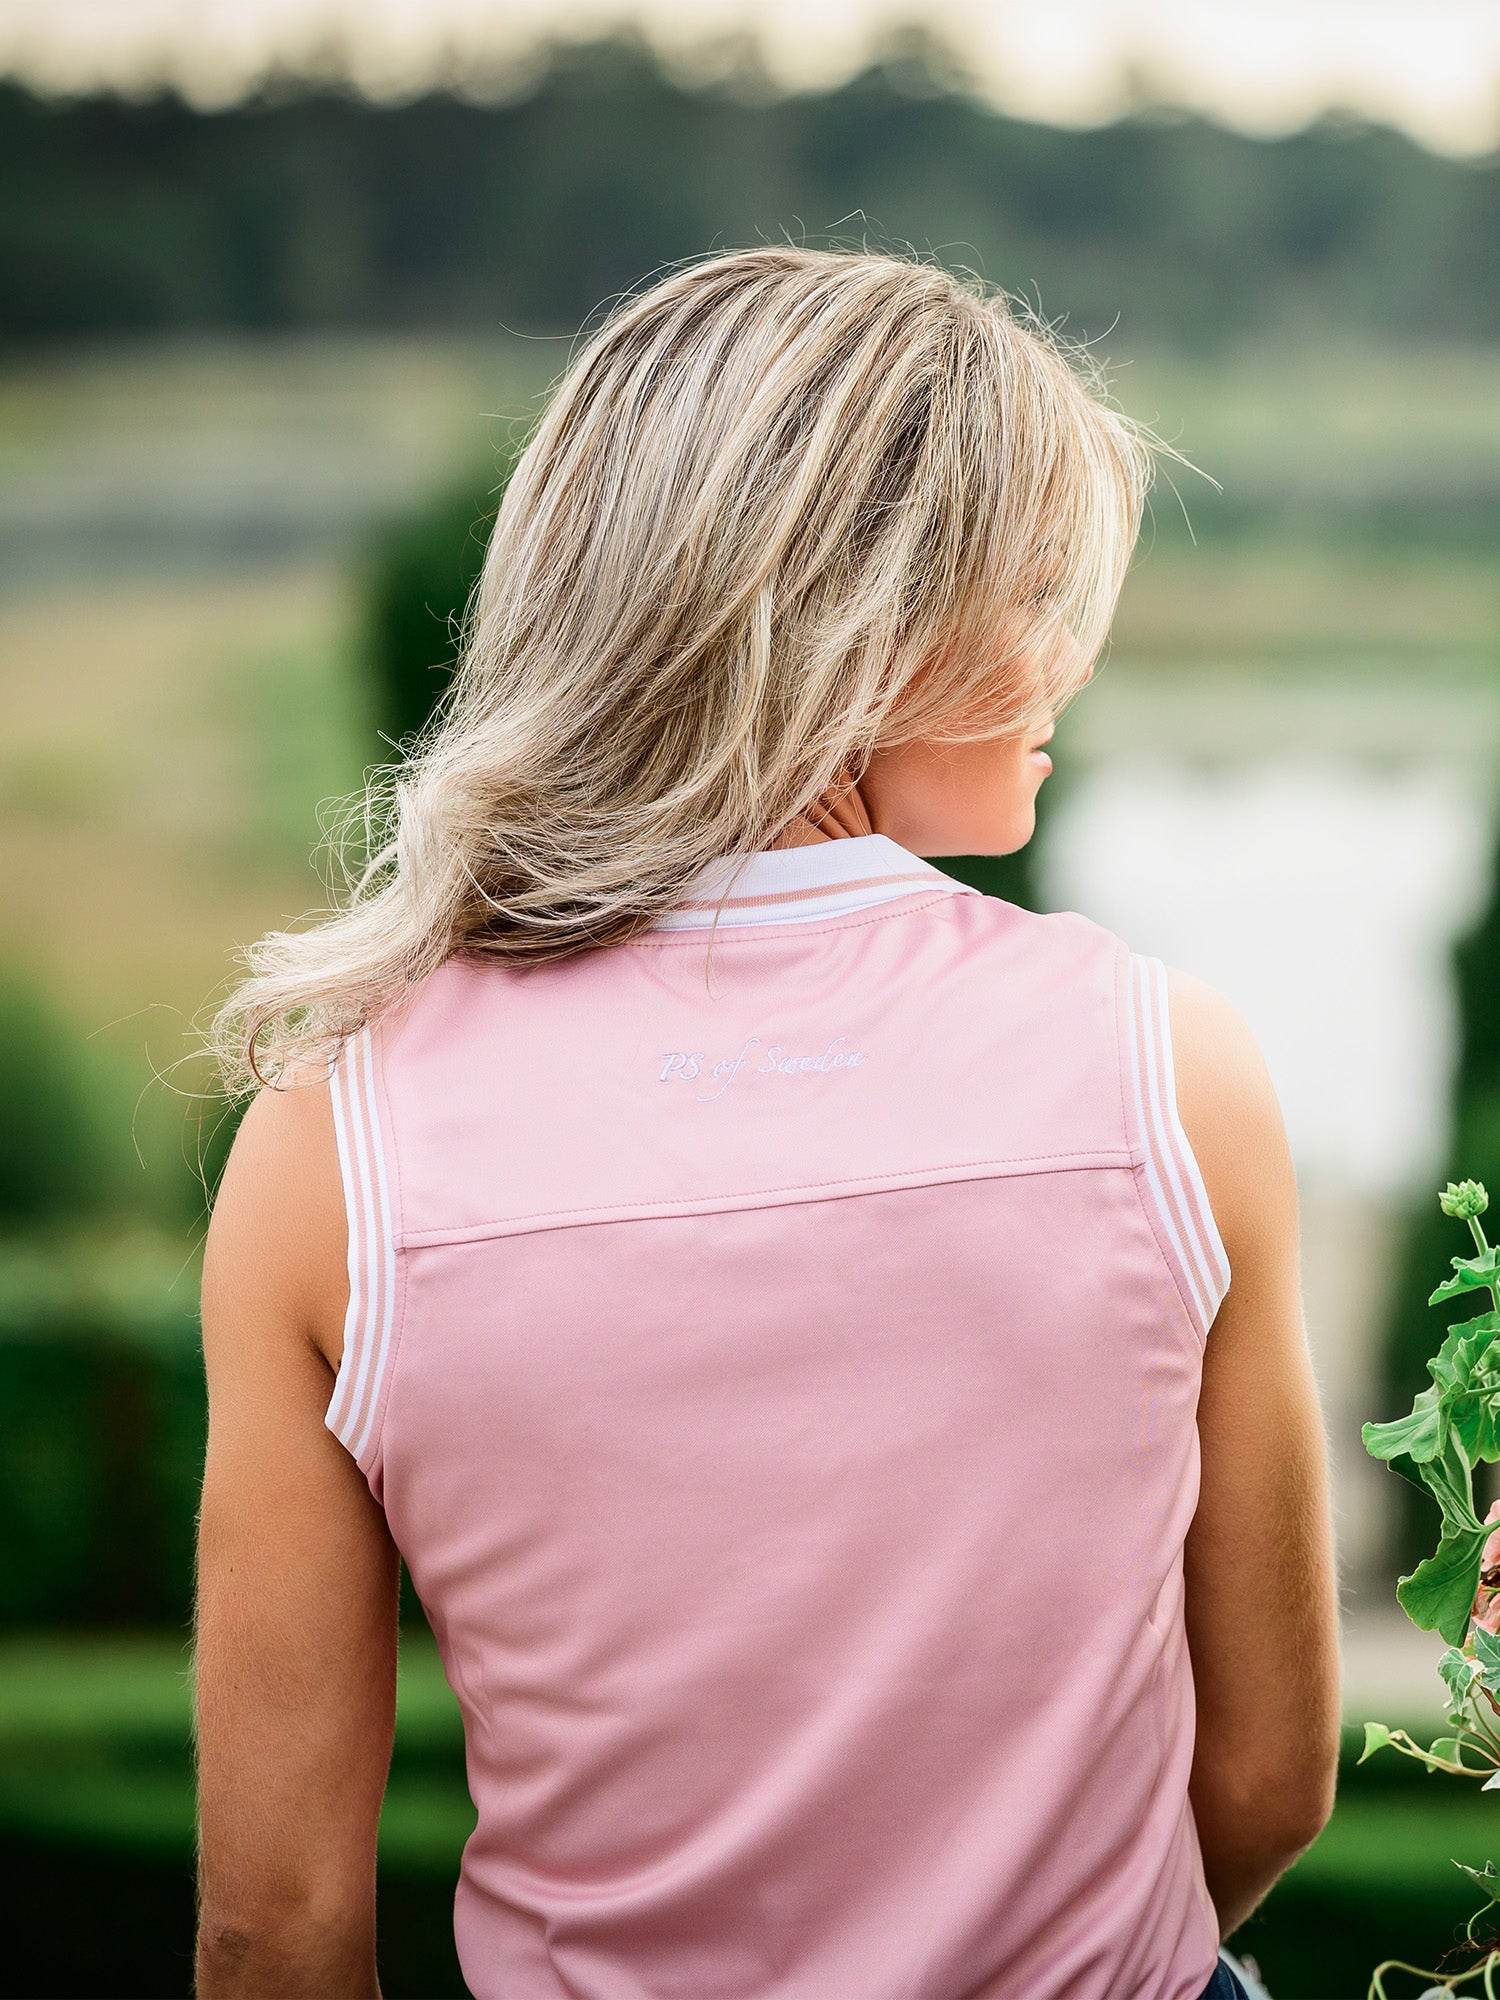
(778, 1366)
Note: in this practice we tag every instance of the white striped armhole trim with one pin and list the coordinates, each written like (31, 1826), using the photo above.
(1172, 1172)
(352, 1410)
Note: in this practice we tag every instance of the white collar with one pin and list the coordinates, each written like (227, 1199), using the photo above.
(791, 885)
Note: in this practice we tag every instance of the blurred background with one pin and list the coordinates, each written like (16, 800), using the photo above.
(282, 286)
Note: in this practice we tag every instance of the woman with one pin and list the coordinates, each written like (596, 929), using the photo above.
(827, 1343)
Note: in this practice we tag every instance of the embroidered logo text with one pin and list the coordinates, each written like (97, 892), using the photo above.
(693, 1066)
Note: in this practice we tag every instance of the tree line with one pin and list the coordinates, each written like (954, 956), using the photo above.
(310, 207)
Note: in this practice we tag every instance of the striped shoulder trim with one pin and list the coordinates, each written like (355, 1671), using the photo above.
(1172, 1173)
(352, 1411)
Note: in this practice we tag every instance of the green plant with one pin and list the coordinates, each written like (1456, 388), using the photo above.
(1454, 1425)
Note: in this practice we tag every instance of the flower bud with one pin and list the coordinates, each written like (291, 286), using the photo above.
(1464, 1199)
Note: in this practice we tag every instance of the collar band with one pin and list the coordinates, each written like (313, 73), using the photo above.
(790, 885)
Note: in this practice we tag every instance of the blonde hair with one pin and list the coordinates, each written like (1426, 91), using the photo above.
(784, 506)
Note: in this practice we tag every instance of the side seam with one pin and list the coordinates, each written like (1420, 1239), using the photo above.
(1172, 1174)
(353, 1410)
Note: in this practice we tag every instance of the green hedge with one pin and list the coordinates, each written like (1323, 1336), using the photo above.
(103, 1418)
(101, 1429)
(98, 1481)
(96, 1816)
(418, 576)
(88, 1133)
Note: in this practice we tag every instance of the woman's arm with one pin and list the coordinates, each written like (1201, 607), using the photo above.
(1261, 1578)
(297, 1588)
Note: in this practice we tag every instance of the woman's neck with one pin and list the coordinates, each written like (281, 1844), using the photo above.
(840, 816)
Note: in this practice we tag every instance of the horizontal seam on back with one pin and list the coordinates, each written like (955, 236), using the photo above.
(839, 1188)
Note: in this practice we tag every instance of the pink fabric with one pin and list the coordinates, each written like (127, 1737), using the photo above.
(795, 1461)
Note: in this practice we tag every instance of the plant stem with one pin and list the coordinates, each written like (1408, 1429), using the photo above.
(1483, 1248)
(1377, 1981)
(1482, 1729)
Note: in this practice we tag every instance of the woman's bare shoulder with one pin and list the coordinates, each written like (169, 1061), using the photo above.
(278, 1231)
(1229, 1109)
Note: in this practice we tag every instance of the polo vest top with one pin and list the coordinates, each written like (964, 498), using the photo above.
(775, 1342)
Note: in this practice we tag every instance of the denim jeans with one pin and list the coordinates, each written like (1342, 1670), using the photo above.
(1223, 1985)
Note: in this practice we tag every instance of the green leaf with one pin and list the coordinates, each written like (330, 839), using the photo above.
(1453, 1425)
(1439, 1594)
(1377, 1737)
(1460, 1673)
(1464, 1346)
(1408, 1469)
(1463, 1397)
(1487, 1654)
(1469, 1274)
(1485, 1878)
(1449, 1479)
(1445, 1749)
(1463, 1374)
(1417, 1436)
(1472, 1419)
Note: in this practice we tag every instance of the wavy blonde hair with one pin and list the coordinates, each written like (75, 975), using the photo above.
(784, 506)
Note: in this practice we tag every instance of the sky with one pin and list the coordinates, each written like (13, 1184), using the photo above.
(1430, 66)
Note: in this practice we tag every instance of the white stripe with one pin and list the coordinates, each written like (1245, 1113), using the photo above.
(1140, 1067)
(1183, 1197)
(336, 1415)
(1157, 1040)
(384, 1245)
(1153, 1138)
(371, 1268)
(1211, 1241)
(1185, 1175)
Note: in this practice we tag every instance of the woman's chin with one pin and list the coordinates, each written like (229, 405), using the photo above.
(993, 840)
(1019, 831)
